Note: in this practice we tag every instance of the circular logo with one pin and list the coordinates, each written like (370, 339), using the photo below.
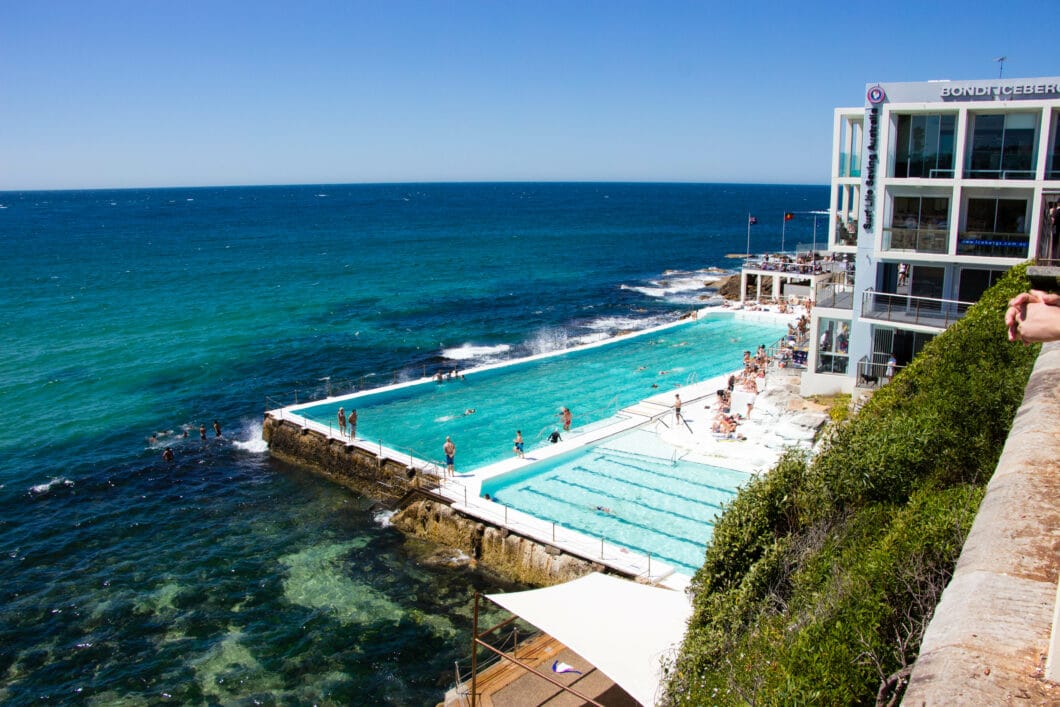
(876, 95)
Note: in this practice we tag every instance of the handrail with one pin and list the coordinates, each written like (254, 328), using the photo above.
(929, 311)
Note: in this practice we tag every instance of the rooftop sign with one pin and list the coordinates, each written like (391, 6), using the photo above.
(952, 91)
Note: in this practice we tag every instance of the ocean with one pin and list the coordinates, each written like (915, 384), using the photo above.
(132, 317)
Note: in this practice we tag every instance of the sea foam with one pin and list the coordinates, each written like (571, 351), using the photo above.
(469, 352)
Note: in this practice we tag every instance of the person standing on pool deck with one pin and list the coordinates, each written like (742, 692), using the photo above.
(677, 408)
(450, 456)
(518, 444)
(351, 422)
(342, 421)
(567, 417)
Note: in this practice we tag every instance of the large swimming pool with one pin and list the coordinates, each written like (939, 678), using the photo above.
(593, 382)
(629, 489)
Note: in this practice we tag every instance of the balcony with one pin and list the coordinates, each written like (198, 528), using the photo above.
(907, 309)
(917, 240)
(996, 245)
(838, 294)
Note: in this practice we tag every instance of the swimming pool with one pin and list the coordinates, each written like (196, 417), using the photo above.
(593, 382)
(629, 489)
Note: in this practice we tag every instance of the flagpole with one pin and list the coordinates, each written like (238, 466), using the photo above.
(747, 252)
(783, 228)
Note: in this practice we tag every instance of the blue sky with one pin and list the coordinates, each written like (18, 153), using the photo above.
(141, 93)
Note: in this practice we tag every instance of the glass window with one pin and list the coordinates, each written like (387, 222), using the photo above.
(975, 282)
(997, 216)
(832, 345)
(918, 223)
(995, 227)
(924, 146)
(1002, 146)
(1054, 160)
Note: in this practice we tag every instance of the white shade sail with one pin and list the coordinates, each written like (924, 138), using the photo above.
(621, 627)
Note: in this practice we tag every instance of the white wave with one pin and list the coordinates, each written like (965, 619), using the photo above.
(679, 282)
(470, 351)
(383, 518)
(548, 340)
(253, 442)
(591, 338)
(618, 324)
(54, 483)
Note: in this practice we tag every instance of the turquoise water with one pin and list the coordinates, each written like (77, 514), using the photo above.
(226, 577)
(593, 383)
(630, 490)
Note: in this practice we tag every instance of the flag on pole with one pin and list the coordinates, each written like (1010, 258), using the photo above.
(788, 215)
(751, 220)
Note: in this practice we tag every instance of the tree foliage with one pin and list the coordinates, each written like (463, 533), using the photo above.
(823, 573)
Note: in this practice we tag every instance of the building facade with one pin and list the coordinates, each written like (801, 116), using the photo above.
(938, 188)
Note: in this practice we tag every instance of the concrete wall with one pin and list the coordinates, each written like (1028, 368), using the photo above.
(497, 549)
(356, 468)
(987, 643)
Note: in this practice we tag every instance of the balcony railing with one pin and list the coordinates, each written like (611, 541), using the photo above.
(920, 240)
(838, 294)
(998, 245)
(999, 174)
(874, 370)
(908, 309)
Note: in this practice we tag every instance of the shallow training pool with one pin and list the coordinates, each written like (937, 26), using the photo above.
(593, 382)
(630, 490)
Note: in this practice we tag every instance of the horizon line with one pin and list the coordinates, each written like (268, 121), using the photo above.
(420, 182)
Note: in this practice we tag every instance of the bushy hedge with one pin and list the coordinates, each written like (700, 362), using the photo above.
(823, 573)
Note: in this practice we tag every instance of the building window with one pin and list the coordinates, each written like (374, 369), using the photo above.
(924, 146)
(846, 211)
(1002, 146)
(850, 147)
(974, 282)
(995, 227)
(918, 223)
(833, 346)
(1054, 157)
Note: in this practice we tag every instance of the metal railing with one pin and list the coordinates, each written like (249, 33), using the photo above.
(837, 294)
(875, 370)
(920, 240)
(909, 309)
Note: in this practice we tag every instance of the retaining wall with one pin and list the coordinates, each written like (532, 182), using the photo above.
(987, 643)
(502, 551)
(357, 468)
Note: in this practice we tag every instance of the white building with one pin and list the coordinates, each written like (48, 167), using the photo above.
(937, 189)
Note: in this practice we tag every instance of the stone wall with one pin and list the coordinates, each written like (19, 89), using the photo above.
(988, 640)
(498, 549)
(349, 465)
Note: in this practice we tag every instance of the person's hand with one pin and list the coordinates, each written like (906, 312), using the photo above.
(1033, 317)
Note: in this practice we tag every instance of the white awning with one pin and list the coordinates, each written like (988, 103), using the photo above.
(621, 627)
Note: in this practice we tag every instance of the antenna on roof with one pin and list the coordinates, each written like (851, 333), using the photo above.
(1001, 65)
